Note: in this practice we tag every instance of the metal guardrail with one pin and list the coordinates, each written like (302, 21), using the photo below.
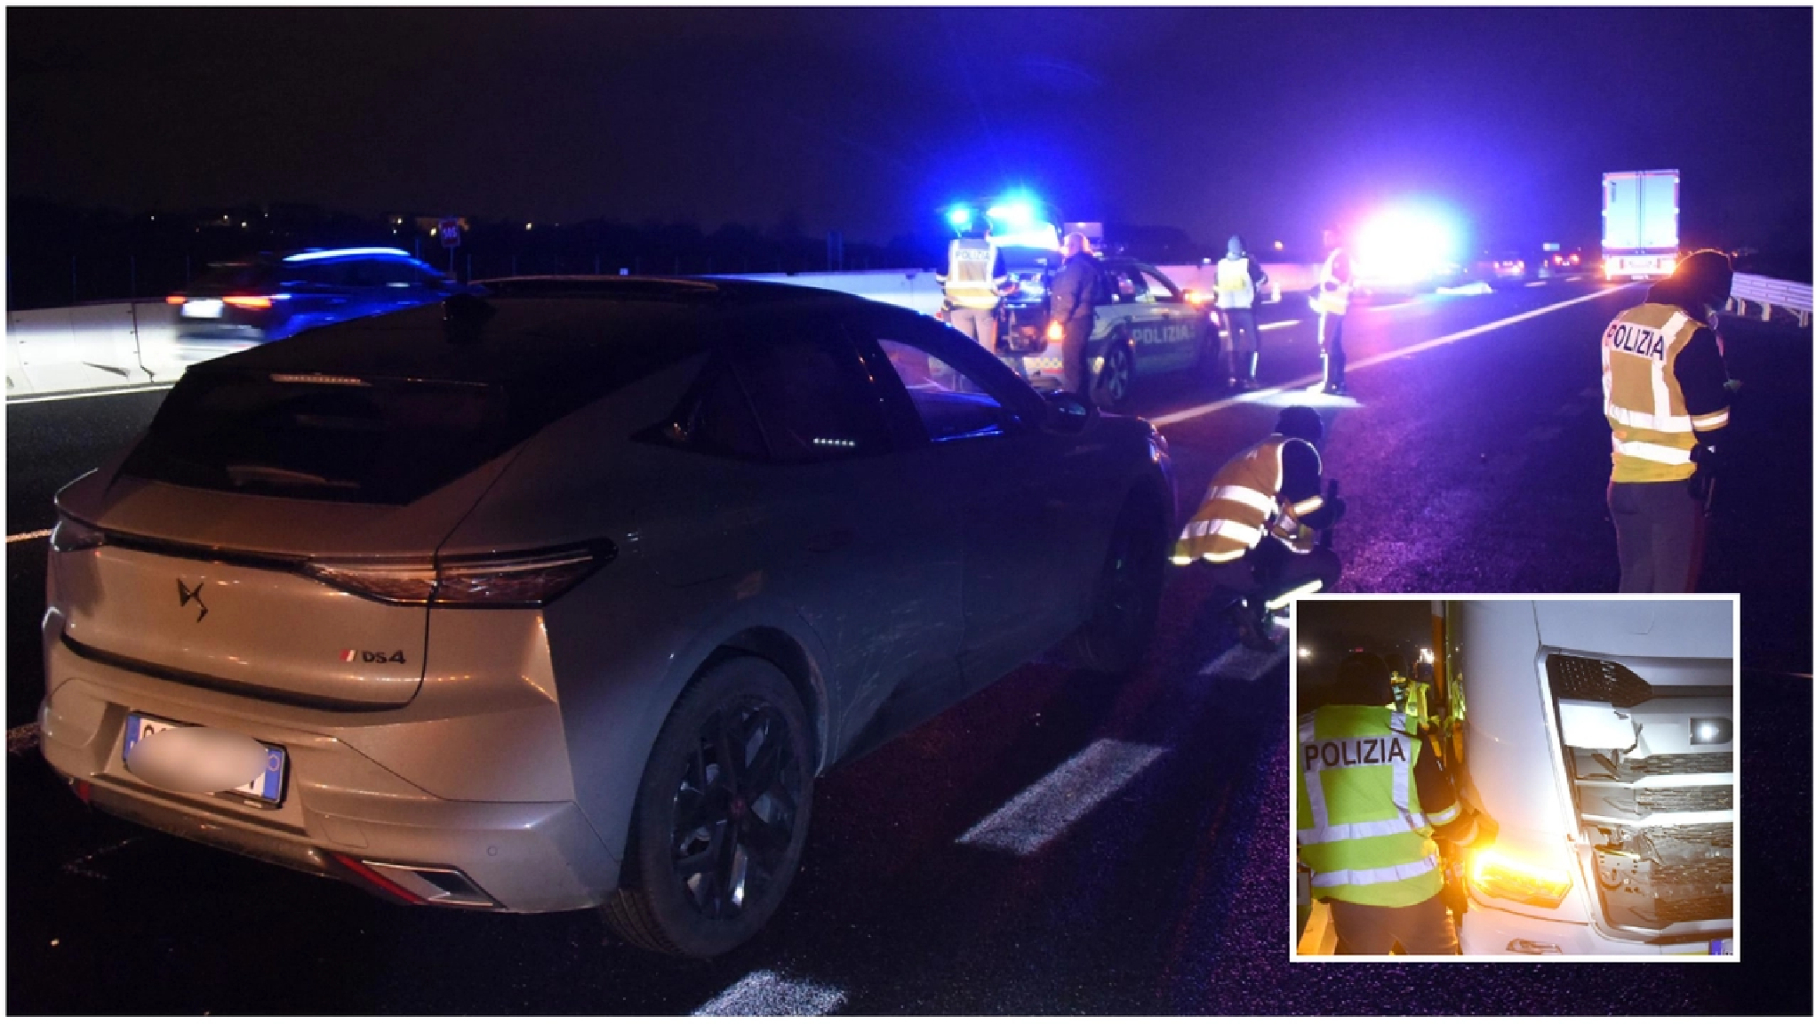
(1770, 293)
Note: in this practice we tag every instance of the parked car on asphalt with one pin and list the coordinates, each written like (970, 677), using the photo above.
(563, 595)
(271, 297)
(1145, 327)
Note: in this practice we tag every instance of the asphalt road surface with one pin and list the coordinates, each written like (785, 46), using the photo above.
(1056, 844)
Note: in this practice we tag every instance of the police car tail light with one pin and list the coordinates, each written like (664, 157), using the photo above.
(249, 301)
(520, 580)
(1497, 874)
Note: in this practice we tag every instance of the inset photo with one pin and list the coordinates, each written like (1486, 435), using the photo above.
(1514, 777)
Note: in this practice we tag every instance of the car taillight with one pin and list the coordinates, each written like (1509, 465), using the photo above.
(72, 535)
(1498, 874)
(249, 301)
(174, 300)
(522, 580)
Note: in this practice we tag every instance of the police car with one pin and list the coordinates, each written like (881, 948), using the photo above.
(1143, 326)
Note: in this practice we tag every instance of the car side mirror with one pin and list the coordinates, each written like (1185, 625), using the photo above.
(1067, 413)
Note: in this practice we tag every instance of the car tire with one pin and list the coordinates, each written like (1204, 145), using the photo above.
(1112, 388)
(721, 816)
(1127, 594)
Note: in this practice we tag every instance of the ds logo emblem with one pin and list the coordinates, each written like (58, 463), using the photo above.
(372, 656)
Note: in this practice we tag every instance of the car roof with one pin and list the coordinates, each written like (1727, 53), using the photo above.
(526, 328)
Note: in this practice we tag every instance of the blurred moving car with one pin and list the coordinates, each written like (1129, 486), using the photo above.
(1145, 326)
(1501, 266)
(563, 596)
(271, 297)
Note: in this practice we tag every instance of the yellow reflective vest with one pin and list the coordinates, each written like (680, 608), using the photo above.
(1236, 288)
(1242, 506)
(1339, 297)
(970, 282)
(1359, 821)
(1652, 433)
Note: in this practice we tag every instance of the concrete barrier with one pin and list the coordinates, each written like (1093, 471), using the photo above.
(102, 345)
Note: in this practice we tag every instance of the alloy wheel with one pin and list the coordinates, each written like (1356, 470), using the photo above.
(735, 808)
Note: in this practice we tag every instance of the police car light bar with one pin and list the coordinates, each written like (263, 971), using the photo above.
(960, 216)
(330, 254)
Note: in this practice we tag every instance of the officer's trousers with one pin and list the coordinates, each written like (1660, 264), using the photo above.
(1333, 353)
(1271, 570)
(1425, 928)
(1076, 376)
(1661, 533)
(979, 324)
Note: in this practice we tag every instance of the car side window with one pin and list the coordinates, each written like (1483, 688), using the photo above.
(715, 418)
(1126, 287)
(813, 400)
(952, 405)
(1158, 289)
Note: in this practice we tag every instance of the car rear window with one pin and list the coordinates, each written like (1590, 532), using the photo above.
(385, 442)
(232, 278)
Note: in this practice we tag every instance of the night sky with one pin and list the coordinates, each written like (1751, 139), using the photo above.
(1275, 123)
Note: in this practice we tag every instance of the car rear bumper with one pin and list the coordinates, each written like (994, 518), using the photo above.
(339, 807)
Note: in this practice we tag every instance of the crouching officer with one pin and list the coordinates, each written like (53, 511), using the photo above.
(1668, 402)
(1257, 526)
(1371, 798)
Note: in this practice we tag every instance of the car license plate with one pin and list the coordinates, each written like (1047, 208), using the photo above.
(267, 787)
(203, 309)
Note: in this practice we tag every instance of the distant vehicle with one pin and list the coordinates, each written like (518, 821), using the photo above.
(565, 594)
(1501, 266)
(271, 297)
(1599, 735)
(1145, 327)
(1555, 262)
(1642, 237)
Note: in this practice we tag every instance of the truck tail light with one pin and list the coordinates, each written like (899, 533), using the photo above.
(1497, 874)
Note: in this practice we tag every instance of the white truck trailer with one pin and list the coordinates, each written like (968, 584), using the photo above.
(1642, 233)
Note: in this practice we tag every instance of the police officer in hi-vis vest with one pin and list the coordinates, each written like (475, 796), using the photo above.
(1371, 797)
(1258, 524)
(974, 287)
(1668, 402)
(1333, 296)
(1240, 278)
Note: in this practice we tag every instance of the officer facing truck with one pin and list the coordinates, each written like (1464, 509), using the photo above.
(1668, 402)
(1371, 798)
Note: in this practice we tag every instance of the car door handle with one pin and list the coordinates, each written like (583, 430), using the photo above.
(833, 540)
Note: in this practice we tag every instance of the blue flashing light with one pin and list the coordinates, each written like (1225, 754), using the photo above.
(1015, 215)
(336, 254)
(960, 216)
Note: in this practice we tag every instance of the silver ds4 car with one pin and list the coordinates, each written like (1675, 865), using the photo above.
(562, 593)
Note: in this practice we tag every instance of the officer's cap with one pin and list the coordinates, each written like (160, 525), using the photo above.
(1705, 276)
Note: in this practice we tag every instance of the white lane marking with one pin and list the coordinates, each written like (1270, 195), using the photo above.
(1243, 663)
(1370, 361)
(21, 738)
(1280, 323)
(1064, 796)
(1536, 284)
(34, 535)
(79, 865)
(768, 994)
(66, 396)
